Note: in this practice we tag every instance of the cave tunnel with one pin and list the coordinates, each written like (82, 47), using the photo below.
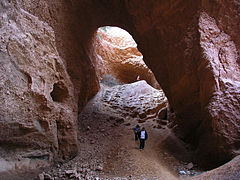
(116, 54)
(122, 102)
(47, 47)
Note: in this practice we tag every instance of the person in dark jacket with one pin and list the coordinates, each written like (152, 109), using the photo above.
(136, 131)
(143, 137)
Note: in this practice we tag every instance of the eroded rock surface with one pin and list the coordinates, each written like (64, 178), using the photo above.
(37, 118)
(117, 54)
(219, 91)
(194, 56)
(135, 100)
(228, 171)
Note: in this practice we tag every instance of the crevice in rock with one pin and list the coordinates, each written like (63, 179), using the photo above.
(59, 92)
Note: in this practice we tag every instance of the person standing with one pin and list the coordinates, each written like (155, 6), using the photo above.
(136, 131)
(138, 77)
(143, 137)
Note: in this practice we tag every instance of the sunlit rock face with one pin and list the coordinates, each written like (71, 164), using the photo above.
(192, 47)
(117, 54)
(136, 100)
(37, 118)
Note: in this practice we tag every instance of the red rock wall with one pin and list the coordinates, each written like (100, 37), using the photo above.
(191, 46)
(37, 113)
(219, 83)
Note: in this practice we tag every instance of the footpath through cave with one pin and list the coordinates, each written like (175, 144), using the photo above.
(106, 145)
(107, 149)
(105, 128)
(106, 140)
(70, 95)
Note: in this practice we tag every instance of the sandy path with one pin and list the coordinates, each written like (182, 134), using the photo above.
(124, 159)
(132, 162)
(106, 142)
(106, 139)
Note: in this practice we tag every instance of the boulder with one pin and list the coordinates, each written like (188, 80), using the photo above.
(137, 100)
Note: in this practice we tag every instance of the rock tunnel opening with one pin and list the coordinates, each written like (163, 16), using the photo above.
(117, 57)
(189, 35)
(124, 101)
(118, 61)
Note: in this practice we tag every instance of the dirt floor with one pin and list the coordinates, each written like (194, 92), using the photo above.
(107, 149)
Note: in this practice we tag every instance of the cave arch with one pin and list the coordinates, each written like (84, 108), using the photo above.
(183, 74)
(168, 33)
(117, 55)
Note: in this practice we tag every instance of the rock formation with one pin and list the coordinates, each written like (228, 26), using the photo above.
(136, 100)
(192, 47)
(38, 116)
(117, 54)
(219, 92)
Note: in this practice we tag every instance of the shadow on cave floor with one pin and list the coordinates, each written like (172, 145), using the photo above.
(107, 148)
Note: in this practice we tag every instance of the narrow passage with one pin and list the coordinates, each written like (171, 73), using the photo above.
(105, 131)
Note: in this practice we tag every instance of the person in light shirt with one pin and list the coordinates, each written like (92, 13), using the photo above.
(138, 77)
(143, 137)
